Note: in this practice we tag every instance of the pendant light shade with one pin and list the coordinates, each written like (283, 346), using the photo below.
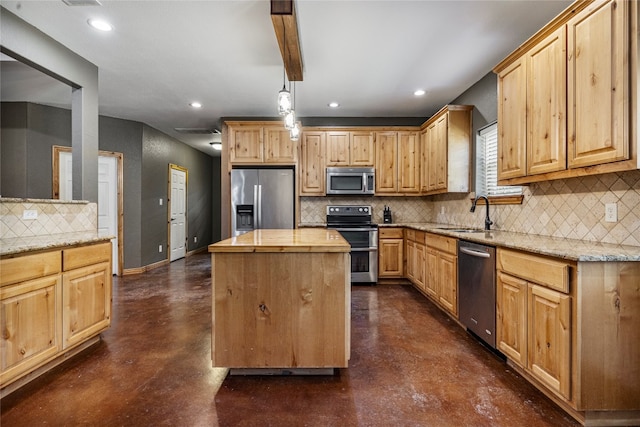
(294, 134)
(284, 101)
(290, 120)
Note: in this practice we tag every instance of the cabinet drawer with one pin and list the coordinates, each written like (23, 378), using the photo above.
(390, 233)
(535, 268)
(86, 255)
(442, 243)
(27, 267)
(410, 235)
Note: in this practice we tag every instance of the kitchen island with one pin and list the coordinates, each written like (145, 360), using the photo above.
(281, 301)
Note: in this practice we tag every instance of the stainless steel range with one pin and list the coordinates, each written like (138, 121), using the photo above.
(355, 225)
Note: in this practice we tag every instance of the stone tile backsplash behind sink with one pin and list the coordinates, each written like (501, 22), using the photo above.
(570, 208)
(54, 217)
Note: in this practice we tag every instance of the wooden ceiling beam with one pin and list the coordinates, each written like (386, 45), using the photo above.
(285, 24)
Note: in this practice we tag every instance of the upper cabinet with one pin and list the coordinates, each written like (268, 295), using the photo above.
(598, 63)
(260, 142)
(312, 164)
(446, 151)
(346, 148)
(397, 162)
(564, 98)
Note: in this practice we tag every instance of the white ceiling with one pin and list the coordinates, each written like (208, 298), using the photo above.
(368, 55)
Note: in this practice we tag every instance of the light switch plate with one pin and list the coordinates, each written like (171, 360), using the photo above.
(29, 214)
(611, 212)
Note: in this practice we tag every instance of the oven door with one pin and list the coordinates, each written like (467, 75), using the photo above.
(364, 253)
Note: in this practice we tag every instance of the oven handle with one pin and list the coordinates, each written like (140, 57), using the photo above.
(352, 229)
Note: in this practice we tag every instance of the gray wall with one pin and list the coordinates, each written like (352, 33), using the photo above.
(30, 130)
(158, 150)
(34, 48)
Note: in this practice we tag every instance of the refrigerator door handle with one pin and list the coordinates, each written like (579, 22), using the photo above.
(259, 207)
(256, 207)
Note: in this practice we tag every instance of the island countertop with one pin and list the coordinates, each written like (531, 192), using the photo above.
(296, 240)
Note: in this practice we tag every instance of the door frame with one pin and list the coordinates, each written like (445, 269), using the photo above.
(186, 208)
(56, 150)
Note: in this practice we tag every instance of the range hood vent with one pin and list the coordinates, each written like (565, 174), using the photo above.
(82, 2)
(197, 131)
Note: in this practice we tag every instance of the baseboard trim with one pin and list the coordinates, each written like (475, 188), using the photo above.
(197, 251)
(139, 270)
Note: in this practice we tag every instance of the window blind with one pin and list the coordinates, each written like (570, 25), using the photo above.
(487, 165)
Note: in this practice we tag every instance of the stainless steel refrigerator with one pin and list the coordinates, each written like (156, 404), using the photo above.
(261, 198)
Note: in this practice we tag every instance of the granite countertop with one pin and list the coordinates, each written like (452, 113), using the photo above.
(569, 249)
(19, 245)
(49, 201)
(296, 240)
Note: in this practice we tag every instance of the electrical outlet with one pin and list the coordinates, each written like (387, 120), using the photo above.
(195, 239)
(160, 200)
(611, 212)
(160, 248)
(29, 214)
(442, 210)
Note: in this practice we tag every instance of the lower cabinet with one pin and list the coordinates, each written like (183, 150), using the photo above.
(86, 296)
(416, 261)
(439, 263)
(534, 316)
(51, 302)
(390, 253)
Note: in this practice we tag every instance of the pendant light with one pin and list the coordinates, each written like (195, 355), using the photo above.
(284, 96)
(294, 131)
(290, 117)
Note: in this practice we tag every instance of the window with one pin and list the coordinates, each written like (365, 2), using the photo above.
(487, 167)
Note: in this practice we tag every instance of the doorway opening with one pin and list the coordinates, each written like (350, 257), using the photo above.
(177, 221)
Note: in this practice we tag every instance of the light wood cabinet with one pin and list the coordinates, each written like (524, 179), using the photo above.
(446, 151)
(390, 253)
(565, 99)
(47, 310)
(386, 162)
(598, 57)
(312, 166)
(532, 110)
(259, 143)
(416, 261)
(441, 271)
(397, 162)
(30, 316)
(534, 323)
(350, 148)
(408, 162)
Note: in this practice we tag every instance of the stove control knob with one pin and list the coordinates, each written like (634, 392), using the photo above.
(330, 209)
(359, 209)
(366, 209)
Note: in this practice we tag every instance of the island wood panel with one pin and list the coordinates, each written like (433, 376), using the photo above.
(280, 310)
(608, 336)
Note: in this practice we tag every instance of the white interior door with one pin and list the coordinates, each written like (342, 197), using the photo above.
(108, 204)
(178, 214)
(107, 196)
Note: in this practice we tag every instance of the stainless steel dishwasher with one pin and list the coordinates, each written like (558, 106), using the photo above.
(477, 289)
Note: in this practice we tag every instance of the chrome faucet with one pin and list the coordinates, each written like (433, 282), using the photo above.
(487, 220)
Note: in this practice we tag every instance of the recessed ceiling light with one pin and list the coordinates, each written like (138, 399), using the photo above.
(216, 145)
(99, 24)
(334, 105)
(419, 92)
(196, 105)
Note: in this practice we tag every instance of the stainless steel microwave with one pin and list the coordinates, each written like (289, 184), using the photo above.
(351, 181)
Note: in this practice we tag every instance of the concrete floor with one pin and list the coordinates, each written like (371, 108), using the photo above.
(410, 366)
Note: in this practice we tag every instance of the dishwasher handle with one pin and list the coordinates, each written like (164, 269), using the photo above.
(471, 252)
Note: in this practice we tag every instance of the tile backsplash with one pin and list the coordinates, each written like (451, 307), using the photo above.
(403, 209)
(571, 208)
(53, 217)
